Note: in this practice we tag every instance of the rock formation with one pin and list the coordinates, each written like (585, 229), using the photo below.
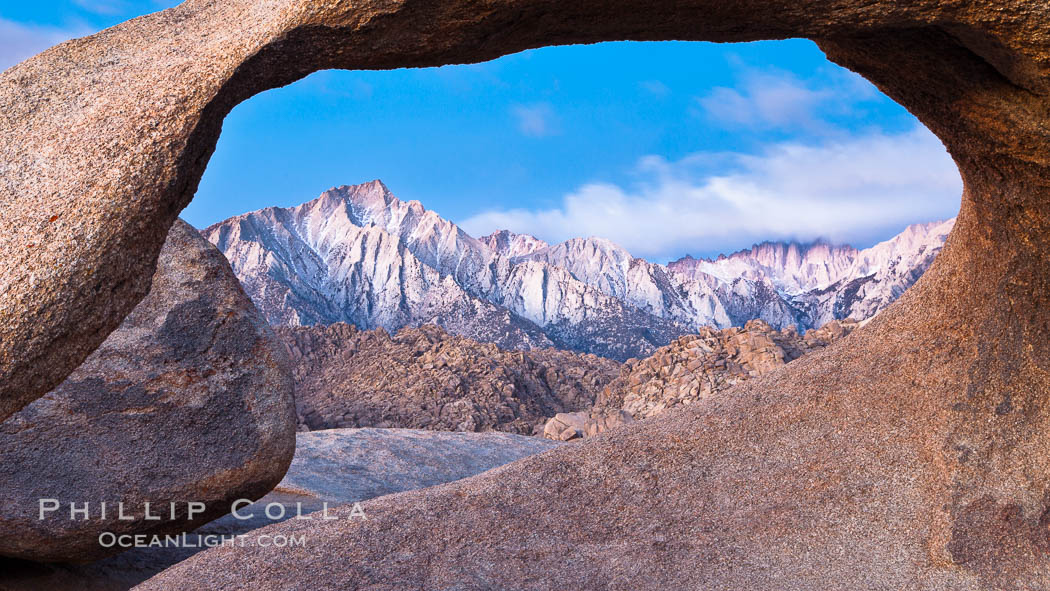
(566, 426)
(918, 456)
(695, 367)
(189, 400)
(336, 466)
(424, 378)
(692, 368)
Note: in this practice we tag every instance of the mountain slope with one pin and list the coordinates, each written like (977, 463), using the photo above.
(818, 282)
(312, 264)
(359, 255)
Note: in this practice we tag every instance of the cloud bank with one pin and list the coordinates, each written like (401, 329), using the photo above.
(822, 171)
(855, 189)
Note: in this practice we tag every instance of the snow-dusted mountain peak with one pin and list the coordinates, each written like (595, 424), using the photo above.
(358, 254)
(792, 267)
(512, 245)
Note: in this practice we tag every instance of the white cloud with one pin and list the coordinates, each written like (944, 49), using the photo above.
(857, 190)
(537, 120)
(123, 7)
(107, 7)
(20, 41)
(655, 88)
(780, 100)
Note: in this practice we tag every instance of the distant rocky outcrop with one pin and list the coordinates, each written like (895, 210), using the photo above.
(697, 366)
(690, 369)
(425, 378)
(189, 400)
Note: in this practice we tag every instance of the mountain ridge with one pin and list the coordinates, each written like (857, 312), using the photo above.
(360, 255)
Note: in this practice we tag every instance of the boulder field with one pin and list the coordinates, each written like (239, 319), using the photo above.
(913, 455)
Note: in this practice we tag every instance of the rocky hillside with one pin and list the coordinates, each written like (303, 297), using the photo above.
(424, 378)
(359, 255)
(699, 365)
(690, 369)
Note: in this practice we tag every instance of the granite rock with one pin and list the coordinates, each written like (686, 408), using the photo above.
(425, 378)
(189, 400)
(335, 466)
(708, 363)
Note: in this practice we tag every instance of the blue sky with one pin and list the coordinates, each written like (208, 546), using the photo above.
(665, 148)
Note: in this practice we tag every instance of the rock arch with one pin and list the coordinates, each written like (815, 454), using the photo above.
(911, 455)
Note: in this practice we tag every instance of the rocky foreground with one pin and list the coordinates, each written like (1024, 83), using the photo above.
(187, 400)
(226, 433)
(335, 467)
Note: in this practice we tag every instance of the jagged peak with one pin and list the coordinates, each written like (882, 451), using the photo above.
(598, 244)
(800, 248)
(372, 193)
(512, 244)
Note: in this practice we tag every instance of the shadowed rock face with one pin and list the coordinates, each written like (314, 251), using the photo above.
(189, 400)
(912, 455)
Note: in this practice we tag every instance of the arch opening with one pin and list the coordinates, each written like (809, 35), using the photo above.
(938, 64)
(830, 199)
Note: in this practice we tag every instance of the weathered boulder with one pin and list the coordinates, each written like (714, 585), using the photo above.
(916, 457)
(336, 466)
(566, 426)
(189, 400)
